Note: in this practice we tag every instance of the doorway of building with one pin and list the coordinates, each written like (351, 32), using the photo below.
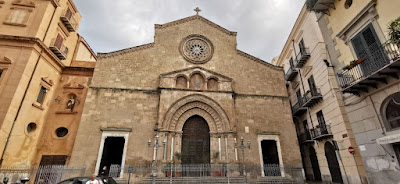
(270, 158)
(333, 163)
(112, 152)
(195, 144)
(314, 164)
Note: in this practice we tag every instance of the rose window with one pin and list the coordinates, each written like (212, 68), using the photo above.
(196, 49)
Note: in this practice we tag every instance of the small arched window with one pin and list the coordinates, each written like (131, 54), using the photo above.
(181, 82)
(197, 81)
(391, 111)
(212, 84)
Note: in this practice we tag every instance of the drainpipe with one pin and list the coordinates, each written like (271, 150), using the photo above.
(26, 90)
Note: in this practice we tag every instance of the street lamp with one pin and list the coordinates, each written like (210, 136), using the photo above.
(243, 147)
(156, 145)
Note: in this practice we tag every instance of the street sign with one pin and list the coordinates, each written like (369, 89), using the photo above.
(351, 150)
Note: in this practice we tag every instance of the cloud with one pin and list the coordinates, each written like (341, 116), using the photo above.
(262, 25)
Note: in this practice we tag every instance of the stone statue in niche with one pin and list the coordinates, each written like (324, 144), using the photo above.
(71, 103)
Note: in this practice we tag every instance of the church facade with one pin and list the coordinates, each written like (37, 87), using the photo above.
(197, 91)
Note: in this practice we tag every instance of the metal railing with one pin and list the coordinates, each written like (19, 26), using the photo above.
(303, 137)
(321, 131)
(288, 74)
(378, 58)
(68, 18)
(221, 172)
(297, 106)
(49, 174)
(301, 57)
(311, 94)
(62, 49)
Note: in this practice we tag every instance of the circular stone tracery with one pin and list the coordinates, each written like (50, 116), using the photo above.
(196, 49)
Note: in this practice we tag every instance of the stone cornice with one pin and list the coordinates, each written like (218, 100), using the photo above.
(195, 17)
(34, 41)
(248, 56)
(123, 51)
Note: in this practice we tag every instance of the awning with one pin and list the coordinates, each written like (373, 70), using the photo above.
(389, 139)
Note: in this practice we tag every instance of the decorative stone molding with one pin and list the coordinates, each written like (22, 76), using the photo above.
(24, 3)
(307, 70)
(47, 81)
(200, 105)
(70, 86)
(295, 84)
(195, 17)
(116, 129)
(248, 56)
(123, 51)
(5, 60)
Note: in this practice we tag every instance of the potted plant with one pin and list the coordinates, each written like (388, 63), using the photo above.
(360, 60)
(215, 157)
(177, 160)
(394, 32)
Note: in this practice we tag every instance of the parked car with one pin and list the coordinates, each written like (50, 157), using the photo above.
(83, 180)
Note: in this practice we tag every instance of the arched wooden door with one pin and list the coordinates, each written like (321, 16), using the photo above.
(196, 141)
(315, 164)
(333, 163)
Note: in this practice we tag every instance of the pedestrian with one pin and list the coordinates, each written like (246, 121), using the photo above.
(104, 174)
(93, 180)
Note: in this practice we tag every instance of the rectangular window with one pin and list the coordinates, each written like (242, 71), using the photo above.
(42, 94)
(291, 62)
(302, 47)
(321, 121)
(299, 99)
(396, 148)
(18, 16)
(311, 84)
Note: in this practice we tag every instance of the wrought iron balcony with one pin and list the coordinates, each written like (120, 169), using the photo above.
(69, 21)
(380, 64)
(302, 57)
(291, 74)
(312, 97)
(321, 132)
(59, 49)
(298, 109)
(323, 5)
(305, 138)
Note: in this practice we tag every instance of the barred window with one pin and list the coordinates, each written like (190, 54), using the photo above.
(42, 94)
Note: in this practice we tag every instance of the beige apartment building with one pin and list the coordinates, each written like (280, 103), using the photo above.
(367, 69)
(323, 128)
(45, 68)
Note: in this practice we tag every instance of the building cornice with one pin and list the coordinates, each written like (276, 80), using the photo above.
(195, 17)
(123, 51)
(248, 56)
(36, 41)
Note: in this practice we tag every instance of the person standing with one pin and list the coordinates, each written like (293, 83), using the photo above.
(93, 180)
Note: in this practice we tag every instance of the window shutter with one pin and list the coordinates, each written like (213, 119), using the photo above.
(59, 41)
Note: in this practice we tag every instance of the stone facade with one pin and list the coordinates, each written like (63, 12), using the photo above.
(317, 133)
(365, 106)
(135, 88)
(40, 51)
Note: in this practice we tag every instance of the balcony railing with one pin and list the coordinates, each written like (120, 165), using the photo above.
(323, 5)
(69, 21)
(302, 57)
(298, 109)
(312, 97)
(321, 132)
(377, 66)
(305, 138)
(59, 49)
(291, 74)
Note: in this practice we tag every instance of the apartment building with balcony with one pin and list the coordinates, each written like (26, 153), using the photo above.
(45, 68)
(367, 68)
(323, 128)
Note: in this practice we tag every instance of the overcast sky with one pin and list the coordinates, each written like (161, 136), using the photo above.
(262, 25)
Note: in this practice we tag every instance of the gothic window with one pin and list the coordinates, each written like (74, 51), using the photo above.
(197, 81)
(181, 82)
(42, 94)
(212, 84)
(392, 112)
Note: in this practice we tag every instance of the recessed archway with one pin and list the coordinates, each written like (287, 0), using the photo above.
(195, 141)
